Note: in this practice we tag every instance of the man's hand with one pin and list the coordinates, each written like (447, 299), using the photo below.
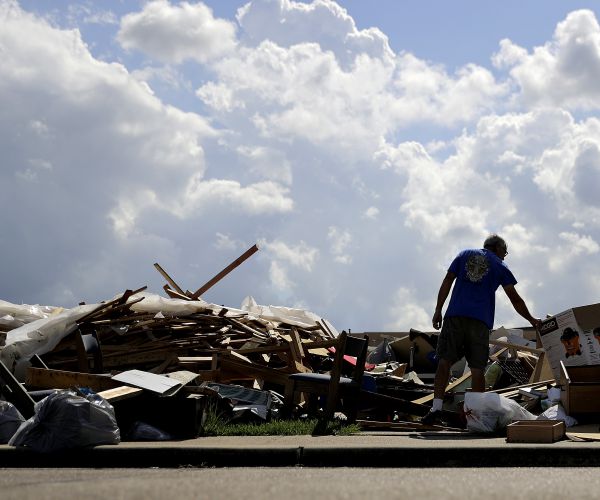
(441, 298)
(437, 319)
(536, 322)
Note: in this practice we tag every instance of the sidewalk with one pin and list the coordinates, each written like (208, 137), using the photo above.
(368, 449)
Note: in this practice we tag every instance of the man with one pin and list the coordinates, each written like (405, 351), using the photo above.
(470, 314)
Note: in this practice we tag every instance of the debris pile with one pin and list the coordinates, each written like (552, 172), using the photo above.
(154, 367)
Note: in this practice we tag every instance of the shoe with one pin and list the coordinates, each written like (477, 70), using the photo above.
(434, 417)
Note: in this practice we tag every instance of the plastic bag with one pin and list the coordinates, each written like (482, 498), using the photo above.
(141, 431)
(63, 420)
(557, 412)
(10, 420)
(491, 412)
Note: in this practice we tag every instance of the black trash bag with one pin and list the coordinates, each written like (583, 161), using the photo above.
(141, 431)
(64, 420)
(10, 420)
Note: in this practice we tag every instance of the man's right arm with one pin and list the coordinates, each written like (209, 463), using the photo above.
(519, 305)
(441, 298)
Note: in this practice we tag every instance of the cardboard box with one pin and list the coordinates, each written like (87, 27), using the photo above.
(573, 337)
(580, 389)
(535, 431)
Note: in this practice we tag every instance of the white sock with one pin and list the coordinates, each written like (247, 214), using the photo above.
(437, 404)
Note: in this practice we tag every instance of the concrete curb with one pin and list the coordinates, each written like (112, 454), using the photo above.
(167, 456)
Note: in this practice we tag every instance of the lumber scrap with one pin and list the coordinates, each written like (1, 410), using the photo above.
(120, 393)
(15, 393)
(41, 378)
(170, 280)
(516, 347)
(219, 276)
(449, 387)
(252, 370)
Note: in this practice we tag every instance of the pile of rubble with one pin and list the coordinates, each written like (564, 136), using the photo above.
(144, 366)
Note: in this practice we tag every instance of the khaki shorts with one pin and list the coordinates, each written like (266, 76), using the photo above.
(468, 337)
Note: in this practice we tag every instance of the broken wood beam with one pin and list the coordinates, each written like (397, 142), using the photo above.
(175, 295)
(120, 393)
(218, 277)
(18, 395)
(170, 280)
(41, 378)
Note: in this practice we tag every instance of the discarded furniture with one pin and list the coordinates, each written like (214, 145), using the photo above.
(579, 389)
(333, 385)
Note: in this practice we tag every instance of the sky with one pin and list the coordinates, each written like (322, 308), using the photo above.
(360, 144)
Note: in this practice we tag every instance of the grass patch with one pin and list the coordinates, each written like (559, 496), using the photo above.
(216, 426)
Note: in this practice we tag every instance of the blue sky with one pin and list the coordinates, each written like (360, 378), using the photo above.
(360, 144)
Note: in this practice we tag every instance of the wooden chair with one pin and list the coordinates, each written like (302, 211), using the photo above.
(333, 385)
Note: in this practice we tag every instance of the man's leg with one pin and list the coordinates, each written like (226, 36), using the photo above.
(448, 349)
(442, 375)
(477, 380)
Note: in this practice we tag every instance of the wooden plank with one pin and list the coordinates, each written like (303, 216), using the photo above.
(542, 369)
(119, 393)
(297, 349)
(41, 378)
(171, 358)
(219, 276)
(268, 349)
(154, 356)
(252, 370)
(517, 347)
(173, 294)
(194, 359)
(170, 280)
(246, 328)
(122, 300)
(18, 396)
(449, 387)
(510, 392)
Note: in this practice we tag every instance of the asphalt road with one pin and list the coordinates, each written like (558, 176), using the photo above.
(300, 483)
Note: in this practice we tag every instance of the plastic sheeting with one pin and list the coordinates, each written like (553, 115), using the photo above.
(280, 314)
(40, 336)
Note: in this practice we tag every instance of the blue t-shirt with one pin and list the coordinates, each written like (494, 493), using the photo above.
(479, 273)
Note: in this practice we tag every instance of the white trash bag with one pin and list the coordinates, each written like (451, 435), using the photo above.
(490, 412)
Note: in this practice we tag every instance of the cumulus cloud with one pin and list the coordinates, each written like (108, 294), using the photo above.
(173, 33)
(340, 240)
(371, 213)
(406, 313)
(287, 23)
(302, 132)
(279, 278)
(79, 132)
(267, 163)
(573, 246)
(564, 71)
(301, 255)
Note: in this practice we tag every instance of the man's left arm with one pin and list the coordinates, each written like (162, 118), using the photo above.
(519, 305)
